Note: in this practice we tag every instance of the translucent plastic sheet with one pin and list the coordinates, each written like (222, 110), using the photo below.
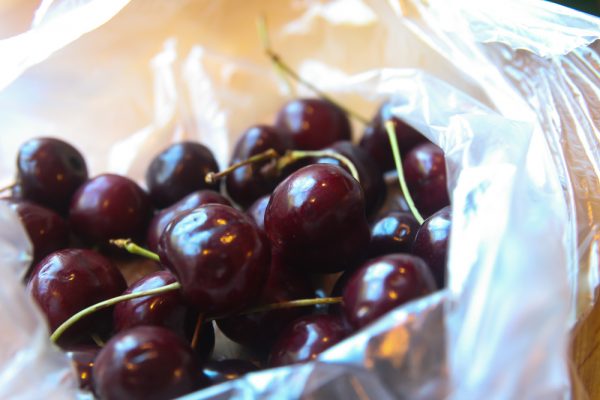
(512, 105)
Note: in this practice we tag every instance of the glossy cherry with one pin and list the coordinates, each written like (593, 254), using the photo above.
(431, 243)
(146, 362)
(371, 177)
(425, 173)
(219, 256)
(375, 139)
(178, 171)
(259, 330)
(109, 207)
(393, 232)
(257, 211)
(248, 183)
(313, 123)
(304, 338)
(83, 358)
(316, 219)
(189, 202)
(382, 284)
(49, 171)
(70, 280)
(47, 230)
(226, 370)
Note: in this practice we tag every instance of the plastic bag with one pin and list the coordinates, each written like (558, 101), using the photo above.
(507, 91)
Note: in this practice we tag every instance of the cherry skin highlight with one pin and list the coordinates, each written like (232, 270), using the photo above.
(393, 232)
(83, 358)
(178, 171)
(109, 206)
(146, 363)
(316, 220)
(219, 256)
(431, 243)
(189, 202)
(49, 171)
(382, 284)
(313, 123)
(257, 211)
(219, 371)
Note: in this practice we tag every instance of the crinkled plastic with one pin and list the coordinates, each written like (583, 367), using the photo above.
(508, 90)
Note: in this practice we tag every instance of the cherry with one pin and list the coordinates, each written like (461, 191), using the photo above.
(218, 255)
(431, 243)
(394, 199)
(109, 206)
(371, 178)
(178, 171)
(226, 370)
(247, 183)
(425, 173)
(49, 171)
(259, 330)
(70, 280)
(393, 232)
(316, 219)
(83, 358)
(257, 211)
(382, 284)
(47, 230)
(375, 139)
(189, 202)
(146, 362)
(304, 338)
(313, 123)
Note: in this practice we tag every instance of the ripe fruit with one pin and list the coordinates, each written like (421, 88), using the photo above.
(70, 280)
(83, 358)
(226, 370)
(382, 284)
(257, 211)
(49, 171)
(313, 124)
(316, 219)
(431, 243)
(218, 255)
(178, 171)
(146, 362)
(109, 207)
(393, 232)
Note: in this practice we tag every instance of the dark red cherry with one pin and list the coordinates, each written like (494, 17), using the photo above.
(316, 219)
(227, 370)
(69, 280)
(425, 173)
(371, 178)
(109, 207)
(49, 171)
(47, 230)
(394, 232)
(83, 358)
(248, 183)
(382, 284)
(394, 199)
(178, 171)
(259, 330)
(431, 243)
(375, 139)
(218, 255)
(146, 362)
(189, 202)
(313, 123)
(257, 211)
(304, 338)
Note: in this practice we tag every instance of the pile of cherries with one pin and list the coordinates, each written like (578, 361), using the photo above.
(244, 251)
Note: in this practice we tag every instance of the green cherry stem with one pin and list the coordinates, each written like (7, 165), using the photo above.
(212, 177)
(197, 330)
(389, 127)
(263, 34)
(133, 248)
(109, 303)
(291, 156)
(289, 71)
(8, 187)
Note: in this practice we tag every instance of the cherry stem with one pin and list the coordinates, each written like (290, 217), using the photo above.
(212, 177)
(99, 342)
(9, 187)
(263, 34)
(391, 131)
(133, 248)
(109, 303)
(293, 155)
(197, 330)
(289, 71)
